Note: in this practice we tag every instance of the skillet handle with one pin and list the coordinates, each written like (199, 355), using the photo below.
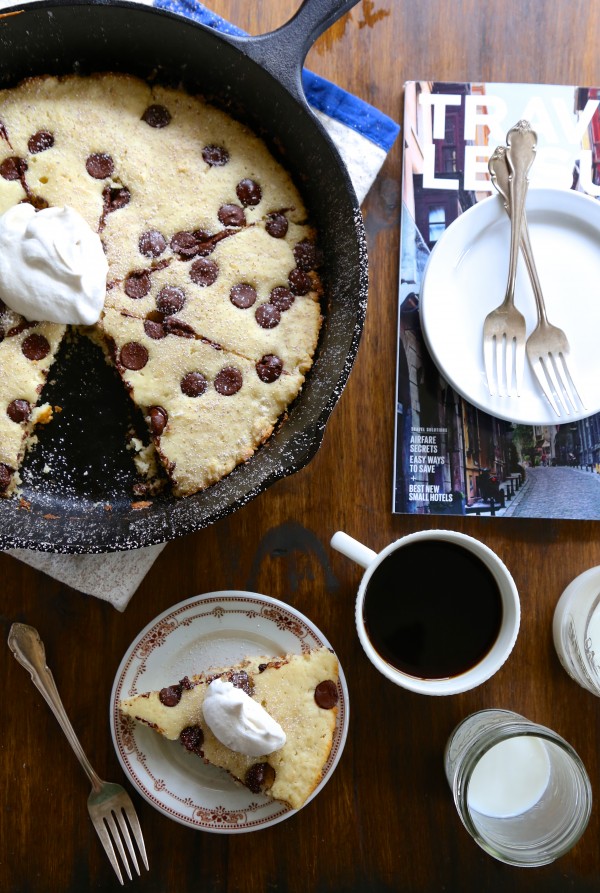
(282, 52)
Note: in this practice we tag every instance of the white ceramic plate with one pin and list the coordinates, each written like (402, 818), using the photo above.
(466, 277)
(216, 629)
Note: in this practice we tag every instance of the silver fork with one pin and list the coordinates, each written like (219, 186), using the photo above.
(504, 328)
(109, 805)
(547, 347)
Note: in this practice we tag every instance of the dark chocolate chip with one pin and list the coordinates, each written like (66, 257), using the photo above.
(282, 298)
(269, 368)
(13, 168)
(228, 381)
(1, 333)
(204, 272)
(35, 347)
(133, 356)
(21, 327)
(170, 299)
(248, 192)
(242, 295)
(215, 156)
(154, 330)
(170, 696)
(40, 141)
(326, 694)
(152, 243)
(193, 384)
(184, 244)
(192, 739)
(205, 243)
(260, 777)
(300, 282)
(231, 215)
(115, 197)
(5, 475)
(158, 419)
(138, 284)
(307, 255)
(19, 410)
(240, 679)
(157, 116)
(276, 225)
(99, 165)
(267, 316)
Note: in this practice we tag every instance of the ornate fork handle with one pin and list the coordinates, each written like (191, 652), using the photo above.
(520, 152)
(25, 643)
(504, 328)
(500, 174)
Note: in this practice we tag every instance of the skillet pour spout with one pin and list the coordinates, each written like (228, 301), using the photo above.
(86, 505)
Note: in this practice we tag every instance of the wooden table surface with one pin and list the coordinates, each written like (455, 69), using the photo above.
(386, 820)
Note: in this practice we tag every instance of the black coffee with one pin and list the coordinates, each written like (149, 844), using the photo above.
(432, 609)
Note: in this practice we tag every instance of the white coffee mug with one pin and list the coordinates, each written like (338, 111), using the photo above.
(452, 546)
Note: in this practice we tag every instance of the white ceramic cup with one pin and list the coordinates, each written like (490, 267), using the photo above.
(499, 651)
(576, 630)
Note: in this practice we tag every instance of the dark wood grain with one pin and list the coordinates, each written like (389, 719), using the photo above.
(385, 821)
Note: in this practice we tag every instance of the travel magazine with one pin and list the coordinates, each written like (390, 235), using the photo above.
(452, 457)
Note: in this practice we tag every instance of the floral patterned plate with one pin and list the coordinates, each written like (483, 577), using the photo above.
(216, 629)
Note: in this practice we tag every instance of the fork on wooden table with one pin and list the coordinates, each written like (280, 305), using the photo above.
(109, 805)
(504, 328)
(547, 347)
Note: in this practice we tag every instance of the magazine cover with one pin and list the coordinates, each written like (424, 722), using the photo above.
(458, 450)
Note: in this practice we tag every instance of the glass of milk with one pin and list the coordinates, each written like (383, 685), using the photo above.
(520, 789)
(576, 630)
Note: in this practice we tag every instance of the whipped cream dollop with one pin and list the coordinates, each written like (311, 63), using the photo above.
(240, 722)
(52, 265)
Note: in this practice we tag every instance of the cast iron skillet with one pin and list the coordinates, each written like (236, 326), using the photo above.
(77, 491)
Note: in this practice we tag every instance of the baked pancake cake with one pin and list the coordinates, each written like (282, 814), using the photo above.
(298, 691)
(213, 297)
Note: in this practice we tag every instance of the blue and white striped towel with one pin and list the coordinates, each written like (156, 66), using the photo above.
(363, 137)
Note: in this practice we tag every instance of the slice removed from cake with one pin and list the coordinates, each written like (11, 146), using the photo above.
(299, 691)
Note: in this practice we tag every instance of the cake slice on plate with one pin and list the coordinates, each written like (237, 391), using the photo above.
(299, 692)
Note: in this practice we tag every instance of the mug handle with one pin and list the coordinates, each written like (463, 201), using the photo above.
(352, 549)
